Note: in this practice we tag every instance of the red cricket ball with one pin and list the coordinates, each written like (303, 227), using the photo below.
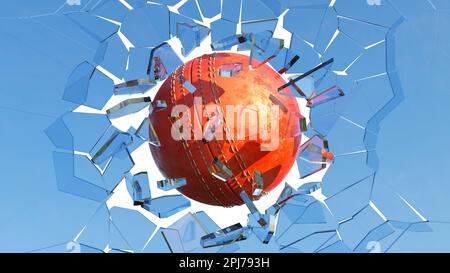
(226, 98)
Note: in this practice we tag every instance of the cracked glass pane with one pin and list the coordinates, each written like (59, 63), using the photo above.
(88, 56)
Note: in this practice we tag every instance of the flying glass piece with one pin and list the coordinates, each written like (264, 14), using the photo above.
(229, 70)
(171, 183)
(327, 95)
(224, 236)
(259, 183)
(128, 107)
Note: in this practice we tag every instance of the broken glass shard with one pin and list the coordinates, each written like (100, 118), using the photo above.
(229, 70)
(158, 105)
(220, 171)
(327, 95)
(166, 206)
(309, 188)
(190, 36)
(284, 196)
(78, 83)
(259, 183)
(187, 84)
(296, 124)
(116, 143)
(128, 107)
(264, 234)
(224, 236)
(306, 74)
(314, 156)
(289, 64)
(147, 132)
(139, 186)
(134, 86)
(171, 183)
(252, 208)
(212, 126)
(228, 42)
(163, 61)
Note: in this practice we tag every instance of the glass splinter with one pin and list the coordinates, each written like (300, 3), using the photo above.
(227, 42)
(147, 132)
(275, 54)
(159, 70)
(171, 183)
(140, 187)
(224, 236)
(313, 152)
(157, 105)
(252, 208)
(128, 106)
(331, 93)
(314, 155)
(289, 64)
(133, 86)
(325, 64)
(259, 183)
(211, 127)
(112, 146)
(220, 170)
(187, 84)
(229, 70)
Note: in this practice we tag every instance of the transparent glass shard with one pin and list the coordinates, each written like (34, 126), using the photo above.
(229, 70)
(224, 236)
(190, 36)
(138, 86)
(231, 10)
(327, 95)
(166, 206)
(315, 150)
(306, 74)
(191, 10)
(186, 84)
(309, 188)
(100, 90)
(158, 105)
(60, 135)
(131, 229)
(212, 126)
(282, 198)
(163, 61)
(314, 156)
(222, 29)
(228, 42)
(117, 142)
(259, 183)
(292, 129)
(209, 8)
(67, 182)
(219, 170)
(120, 164)
(147, 132)
(252, 208)
(264, 234)
(128, 107)
(139, 187)
(78, 83)
(171, 183)
(289, 64)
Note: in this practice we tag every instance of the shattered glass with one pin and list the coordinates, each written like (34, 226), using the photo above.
(85, 55)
